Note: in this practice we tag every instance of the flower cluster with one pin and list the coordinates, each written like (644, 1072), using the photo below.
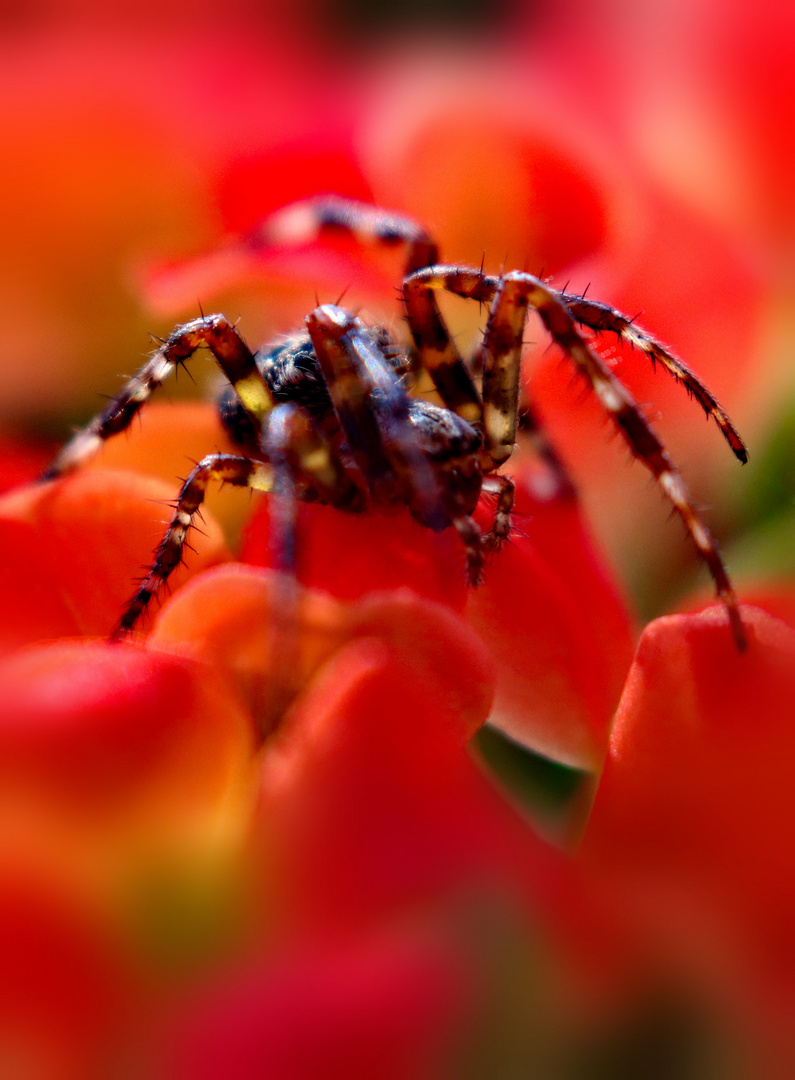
(386, 825)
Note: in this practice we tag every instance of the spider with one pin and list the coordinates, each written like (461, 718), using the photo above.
(326, 413)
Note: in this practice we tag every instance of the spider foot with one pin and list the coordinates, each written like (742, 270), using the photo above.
(472, 539)
(501, 524)
(493, 541)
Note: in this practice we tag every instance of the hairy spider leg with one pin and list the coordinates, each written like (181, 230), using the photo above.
(288, 442)
(499, 363)
(373, 410)
(230, 352)
(227, 468)
(601, 317)
(312, 219)
(438, 352)
(280, 443)
(503, 488)
(513, 294)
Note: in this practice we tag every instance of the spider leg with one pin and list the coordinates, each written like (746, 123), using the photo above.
(227, 468)
(373, 411)
(515, 292)
(501, 350)
(437, 350)
(310, 219)
(503, 488)
(229, 350)
(601, 317)
(281, 429)
(292, 448)
(474, 546)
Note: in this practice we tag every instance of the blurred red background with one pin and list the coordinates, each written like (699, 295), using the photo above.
(639, 150)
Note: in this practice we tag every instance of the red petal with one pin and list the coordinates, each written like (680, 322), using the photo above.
(370, 802)
(350, 555)
(96, 727)
(435, 645)
(99, 531)
(558, 630)
(121, 770)
(21, 461)
(696, 808)
(385, 1007)
(32, 607)
(63, 990)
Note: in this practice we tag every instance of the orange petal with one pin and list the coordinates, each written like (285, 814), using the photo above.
(100, 530)
(226, 617)
(166, 442)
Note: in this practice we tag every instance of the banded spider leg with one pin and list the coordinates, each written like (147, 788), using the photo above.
(301, 446)
(511, 295)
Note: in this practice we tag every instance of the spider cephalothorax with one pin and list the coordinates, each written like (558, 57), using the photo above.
(327, 413)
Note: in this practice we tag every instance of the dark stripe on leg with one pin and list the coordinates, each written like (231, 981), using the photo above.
(601, 317)
(637, 432)
(224, 467)
(373, 410)
(503, 488)
(310, 219)
(437, 350)
(213, 332)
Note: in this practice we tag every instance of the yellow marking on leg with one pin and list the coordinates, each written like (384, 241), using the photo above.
(261, 478)
(501, 432)
(255, 395)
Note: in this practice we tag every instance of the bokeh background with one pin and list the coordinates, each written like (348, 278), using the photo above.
(639, 150)
(374, 882)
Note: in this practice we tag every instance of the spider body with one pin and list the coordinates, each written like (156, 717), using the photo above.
(327, 413)
(435, 437)
(294, 376)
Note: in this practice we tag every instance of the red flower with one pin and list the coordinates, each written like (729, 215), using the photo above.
(390, 912)
(125, 764)
(391, 1007)
(72, 550)
(694, 814)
